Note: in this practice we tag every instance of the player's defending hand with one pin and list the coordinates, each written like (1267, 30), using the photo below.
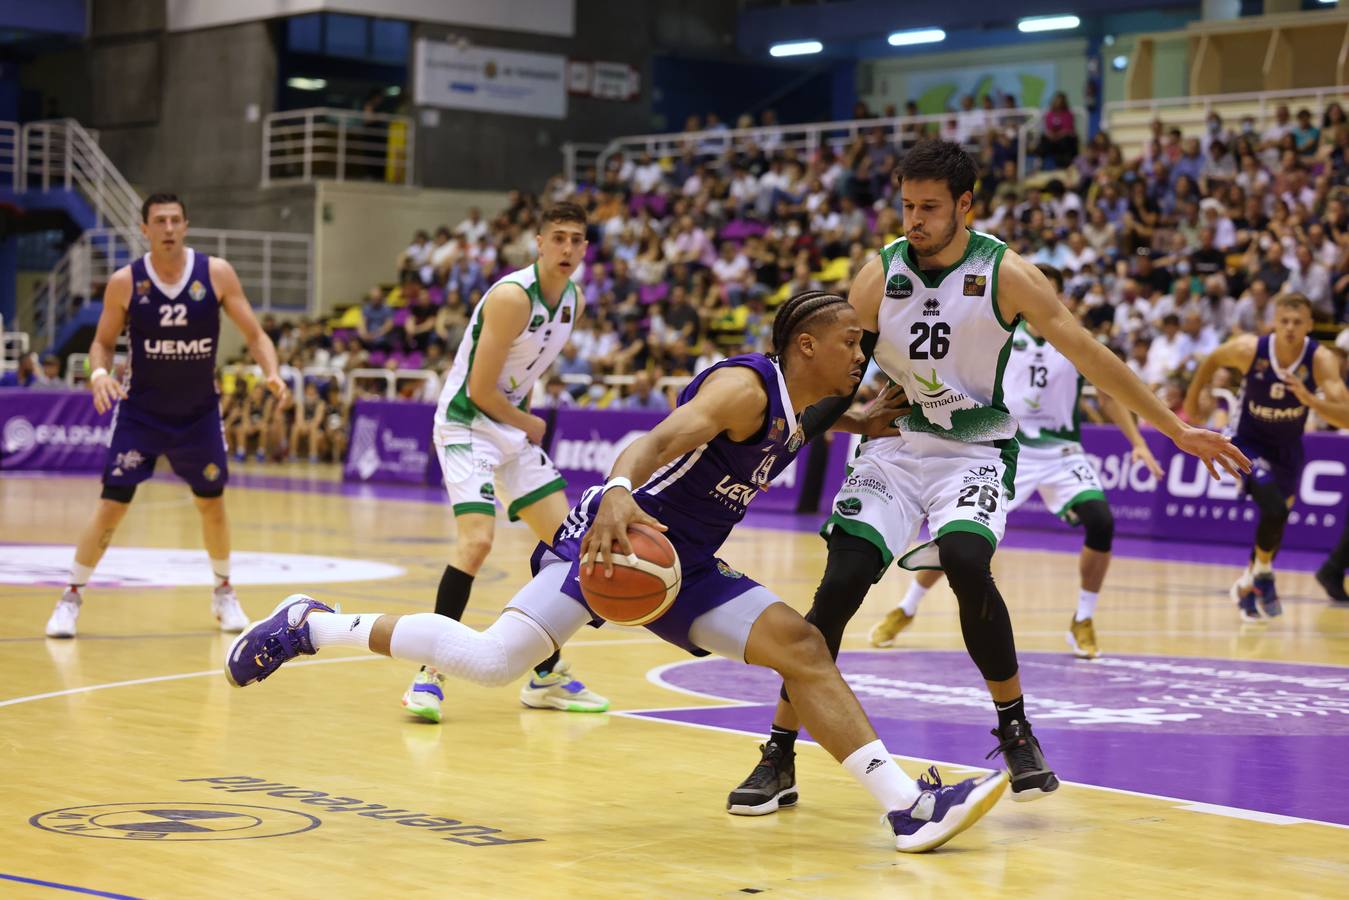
(879, 418)
(277, 385)
(535, 430)
(1212, 448)
(1143, 454)
(1298, 389)
(107, 391)
(617, 511)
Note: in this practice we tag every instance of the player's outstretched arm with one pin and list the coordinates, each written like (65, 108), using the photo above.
(1024, 290)
(504, 317)
(731, 400)
(1236, 353)
(1334, 407)
(116, 299)
(235, 303)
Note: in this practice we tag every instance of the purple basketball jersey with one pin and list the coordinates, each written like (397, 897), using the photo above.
(1269, 413)
(173, 330)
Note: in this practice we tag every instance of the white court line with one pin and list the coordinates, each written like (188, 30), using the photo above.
(13, 701)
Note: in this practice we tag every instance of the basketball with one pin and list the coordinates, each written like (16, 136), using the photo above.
(643, 585)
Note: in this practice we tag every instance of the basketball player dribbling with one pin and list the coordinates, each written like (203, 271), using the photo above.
(169, 301)
(734, 430)
(1044, 393)
(1282, 371)
(940, 306)
(489, 443)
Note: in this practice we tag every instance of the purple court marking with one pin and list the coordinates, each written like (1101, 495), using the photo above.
(66, 887)
(1058, 540)
(1261, 736)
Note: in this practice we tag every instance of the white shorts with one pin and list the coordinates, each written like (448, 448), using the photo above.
(482, 462)
(894, 484)
(1062, 474)
(723, 630)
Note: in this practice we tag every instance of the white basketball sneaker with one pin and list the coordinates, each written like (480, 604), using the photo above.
(226, 609)
(62, 622)
(426, 694)
(559, 690)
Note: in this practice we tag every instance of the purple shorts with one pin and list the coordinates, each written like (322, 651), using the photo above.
(1280, 465)
(195, 449)
(706, 583)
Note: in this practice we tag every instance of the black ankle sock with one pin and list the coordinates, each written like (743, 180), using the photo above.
(783, 738)
(452, 595)
(1013, 711)
(547, 665)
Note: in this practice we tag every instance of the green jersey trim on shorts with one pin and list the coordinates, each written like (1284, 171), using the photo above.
(967, 526)
(486, 509)
(534, 496)
(1083, 497)
(860, 530)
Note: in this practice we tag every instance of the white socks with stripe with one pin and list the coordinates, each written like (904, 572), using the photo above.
(1086, 605)
(873, 768)
(80, 575)
(912, 598)
(340, 630)
(220, 568)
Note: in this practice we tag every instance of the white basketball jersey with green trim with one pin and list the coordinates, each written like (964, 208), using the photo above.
(530, 354)
(942, 338)
(1042, 389)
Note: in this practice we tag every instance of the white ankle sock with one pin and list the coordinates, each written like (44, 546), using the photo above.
(1086, 605)
(912, 597)
(1262, 568)
(80, 575)
(338, 630)
(873, 768)
(220, 568)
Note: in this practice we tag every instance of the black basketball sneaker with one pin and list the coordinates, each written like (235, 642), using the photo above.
(772, 784)
(1031, 776)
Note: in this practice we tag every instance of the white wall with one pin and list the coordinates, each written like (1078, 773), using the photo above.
(556, 17)
(360, 228)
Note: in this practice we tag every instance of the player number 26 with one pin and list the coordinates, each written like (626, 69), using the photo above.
(988, 497)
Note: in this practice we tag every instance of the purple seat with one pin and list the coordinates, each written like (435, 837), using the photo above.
(411, 360)
(654, 293)
(376, 359)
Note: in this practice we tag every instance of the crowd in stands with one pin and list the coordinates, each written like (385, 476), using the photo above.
(1165, 253)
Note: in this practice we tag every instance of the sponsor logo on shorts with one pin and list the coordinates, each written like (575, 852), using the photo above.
(899, 286)
(863, 484)
(849, 506)
(211, 472)
(197, 291)
(728, 571)
(129, 460)
(981, 475)
(487, 492)
(160, 822)
(975, 285)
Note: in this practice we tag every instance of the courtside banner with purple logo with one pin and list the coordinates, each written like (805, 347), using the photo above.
(1189, 505)
(51, 430)
(391, 441)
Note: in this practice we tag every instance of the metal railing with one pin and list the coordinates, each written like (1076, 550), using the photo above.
(390, 377)
(60, 153)
(13, 345)
(900, 133)
(11, 156)
(341, 144)
(1267, 101)
(578, 157)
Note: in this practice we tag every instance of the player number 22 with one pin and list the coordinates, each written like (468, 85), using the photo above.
(988, 497)
(936, 336)
(173, 314)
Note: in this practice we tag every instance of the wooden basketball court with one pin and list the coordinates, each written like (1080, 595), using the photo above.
(1199, 757)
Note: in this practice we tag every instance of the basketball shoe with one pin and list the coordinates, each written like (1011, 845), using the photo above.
(62, 622)
(268, 643)
(942, 811)
(1331, 580)
(884, 632)
(1267, 595)
(1031, 776)
(226, 609)
(426, 694)
(558, 690)
(1243, 595)
(769, 787)
(1082, 638)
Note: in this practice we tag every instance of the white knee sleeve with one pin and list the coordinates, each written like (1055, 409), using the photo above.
(495, 657)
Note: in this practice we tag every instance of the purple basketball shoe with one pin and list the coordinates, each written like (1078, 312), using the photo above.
(943, 811)
(268, 643)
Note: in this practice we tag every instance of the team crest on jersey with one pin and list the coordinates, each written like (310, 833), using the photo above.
(975, 285)
(143, 287)
(566, 315)
(211, 472)
(796, 440)
(899, 286)
(849, 507)
(1019, 344)
(728, 571)
(775, 432)
(1301, 373)
(197, 291)
(536, 323)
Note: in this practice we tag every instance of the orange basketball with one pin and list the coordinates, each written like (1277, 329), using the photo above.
(643, 585)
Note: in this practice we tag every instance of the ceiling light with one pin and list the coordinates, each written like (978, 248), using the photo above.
(795, 48)
(1047, 23)
(917, 36)
(307, 84)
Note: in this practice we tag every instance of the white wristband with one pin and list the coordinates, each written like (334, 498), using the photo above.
(618, 481)
(98, 373)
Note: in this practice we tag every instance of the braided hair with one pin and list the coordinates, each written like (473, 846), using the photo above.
(796, 312)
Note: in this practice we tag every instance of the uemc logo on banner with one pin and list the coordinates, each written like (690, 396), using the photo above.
(21, 435)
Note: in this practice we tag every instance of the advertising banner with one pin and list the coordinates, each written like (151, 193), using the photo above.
(391, 441)
(486, 79)
(51, 430)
